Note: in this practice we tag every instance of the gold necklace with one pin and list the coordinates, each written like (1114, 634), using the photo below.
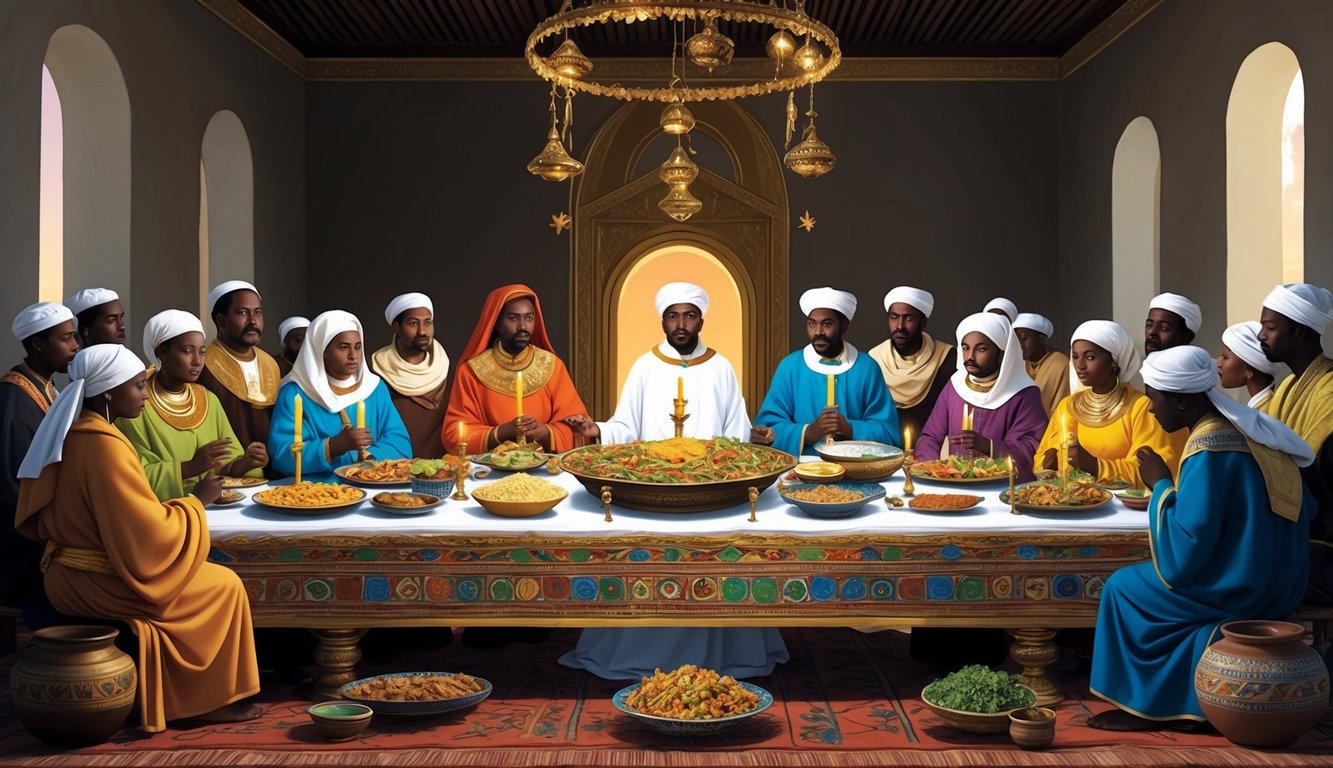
(981, 385)
(178, 409)
(1097, 409)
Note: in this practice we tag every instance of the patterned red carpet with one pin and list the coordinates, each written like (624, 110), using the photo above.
(844, 699)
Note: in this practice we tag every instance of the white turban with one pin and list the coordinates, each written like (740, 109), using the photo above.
(94, 370)
(1243, 340)
(828, 298)
(222, 289)
(401, 304)
(165, 326)
(916, 298)
(681, 293)
(1174, 302)
(291, 324)
(89, 298)
(1110, 337)
(1006, 306)
(1034, 322)
(38, 317)
(309, 373)
(1012, 377)
(1308, 305)
(1188, 369)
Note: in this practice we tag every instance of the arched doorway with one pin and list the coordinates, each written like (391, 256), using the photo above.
(226, 206)
(743, 225)
(1136, 193)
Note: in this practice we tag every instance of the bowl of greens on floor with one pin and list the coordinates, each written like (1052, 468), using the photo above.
(977, 699)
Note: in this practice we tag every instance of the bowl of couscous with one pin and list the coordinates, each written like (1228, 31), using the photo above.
(519, 495)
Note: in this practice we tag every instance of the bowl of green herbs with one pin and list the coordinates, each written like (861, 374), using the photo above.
(977, 699)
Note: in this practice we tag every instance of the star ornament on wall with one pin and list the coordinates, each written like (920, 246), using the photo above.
(807, 222)
(560, 222)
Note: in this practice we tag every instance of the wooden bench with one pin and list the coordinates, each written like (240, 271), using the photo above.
(1320, 618)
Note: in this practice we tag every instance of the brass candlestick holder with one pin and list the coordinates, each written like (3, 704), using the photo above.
(459, 494)
(297, 448)
(1012, 509)
(606, 503)
(678, 418)
(754, 501)
(908, 488)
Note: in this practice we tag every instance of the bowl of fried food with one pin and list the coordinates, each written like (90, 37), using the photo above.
(831, 501)
(519, 495)
(381, 474)
(403, 503)
(340, 720)
(690, 701)
(308, 498)
(417, 693)
(944, 502)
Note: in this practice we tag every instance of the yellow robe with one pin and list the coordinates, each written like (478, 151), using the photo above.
(1052, 376)
(1305, 403)
(1115, 444)
(192, 617)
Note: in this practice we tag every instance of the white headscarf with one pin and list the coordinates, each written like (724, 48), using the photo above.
(308, 370)
(36, 318)
(94, 370)
(916, 298)
(681, 293)
(291, 324)
(1006, 306)
(1012, 377)
(1034, 322)
(1188, 369)
(1243, 340)
(828, 298)
(222, 289)
(401, 304)
(1308, 305)
(165, 326)
(89, 298)
(1110, 337)
(1174, 302)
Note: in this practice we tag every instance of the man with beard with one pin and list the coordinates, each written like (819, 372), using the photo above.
(1048, 367)
(915, 366)
(509, 342)
(828, 388)
(291, 332)
(49, 337)
(1294, 318)
(1172, 321)
(415, 367)
(244, 377)
(100, 316)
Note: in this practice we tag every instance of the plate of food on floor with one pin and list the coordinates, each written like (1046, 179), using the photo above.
(417, 693)
(691, 701)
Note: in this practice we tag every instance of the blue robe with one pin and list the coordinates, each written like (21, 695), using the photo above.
(798, 395)
(1219, 553)
(382, 419)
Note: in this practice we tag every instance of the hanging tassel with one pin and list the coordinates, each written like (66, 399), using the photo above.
(569, 119)
(791, 119)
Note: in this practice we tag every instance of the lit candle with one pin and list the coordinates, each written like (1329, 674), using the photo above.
(518, 392)
(680, 387)
(361, 414)
(462, 436)
(831, 399)
(967, 417)
(907, 438)
(300, 411)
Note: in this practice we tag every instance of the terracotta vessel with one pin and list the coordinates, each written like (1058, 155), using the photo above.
(73, 687)
(1033, 727)
(1261, 685)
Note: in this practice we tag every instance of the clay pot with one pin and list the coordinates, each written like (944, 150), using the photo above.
(1261, 685)
(1032, 727)
(73, 687)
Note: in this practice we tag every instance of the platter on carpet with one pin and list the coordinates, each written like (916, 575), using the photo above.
(417, 693)
(308, 498)
(962, 469)
(681, 474)
(377, 474)
(1050, 496)
(977, 699)
(691, 701)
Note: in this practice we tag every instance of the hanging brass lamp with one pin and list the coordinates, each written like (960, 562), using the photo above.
(811, 157)
(808, 57)
(569, 61)
(676, 119)
(678, 168)
(679, 204)
(781, 46)
(710, 49)
(553, 163)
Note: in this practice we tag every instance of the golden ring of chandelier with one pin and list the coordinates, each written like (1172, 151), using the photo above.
(567, 67)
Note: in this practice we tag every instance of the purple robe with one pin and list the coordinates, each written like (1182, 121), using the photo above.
(1016, 427)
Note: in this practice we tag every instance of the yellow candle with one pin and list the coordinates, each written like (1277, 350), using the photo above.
(361, 414)
(518, 392)
(831, 400)
(680, 387)
(967, 417)
(907, 438)
(300, 411)
(462, 436)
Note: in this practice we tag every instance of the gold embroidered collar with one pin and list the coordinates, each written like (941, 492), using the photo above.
(683, 363)
(496, 369)
(226, 368)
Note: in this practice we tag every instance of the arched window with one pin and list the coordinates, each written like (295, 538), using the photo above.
(94, 193)
(51, 207)
(1136, 191)
(226, 206)
(1265, 178)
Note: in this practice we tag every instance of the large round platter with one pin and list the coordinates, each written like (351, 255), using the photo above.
(344, 473)
(294, 509)
(494, 460)
(675, 727)
(920, 474)
(678, 497)
(1105, 496)
(832, 510)
(426, 707)
(243, 482)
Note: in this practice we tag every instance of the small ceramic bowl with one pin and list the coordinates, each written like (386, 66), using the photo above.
(340, 720)
(1135, 500)
(1032, 727)
(819, 471)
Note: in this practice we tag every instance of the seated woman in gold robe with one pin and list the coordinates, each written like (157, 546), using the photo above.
(1105, 420)
(113, 551)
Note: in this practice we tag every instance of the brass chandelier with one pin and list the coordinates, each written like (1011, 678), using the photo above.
(803, 52)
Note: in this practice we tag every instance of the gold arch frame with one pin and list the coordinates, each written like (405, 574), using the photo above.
(745, 224)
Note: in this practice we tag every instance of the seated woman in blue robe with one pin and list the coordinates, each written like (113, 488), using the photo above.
(1238, 508)
(330, 376)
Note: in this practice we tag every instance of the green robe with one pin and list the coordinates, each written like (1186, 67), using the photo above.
(162, 448)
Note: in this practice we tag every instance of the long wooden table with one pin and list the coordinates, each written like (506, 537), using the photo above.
(458, 565)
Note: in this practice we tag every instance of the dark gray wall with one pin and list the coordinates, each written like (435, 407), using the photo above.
(181, 65)
(1177, 67)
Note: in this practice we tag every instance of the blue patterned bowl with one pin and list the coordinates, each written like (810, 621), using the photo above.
(675, 727)
(440, 489)
(419, 707)
(837, 509)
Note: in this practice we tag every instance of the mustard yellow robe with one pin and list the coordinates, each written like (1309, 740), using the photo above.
(1052, 376)
(1115, 444)
(192, 617)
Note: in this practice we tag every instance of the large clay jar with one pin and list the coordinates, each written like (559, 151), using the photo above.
(74, 687)
(1261, 685)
